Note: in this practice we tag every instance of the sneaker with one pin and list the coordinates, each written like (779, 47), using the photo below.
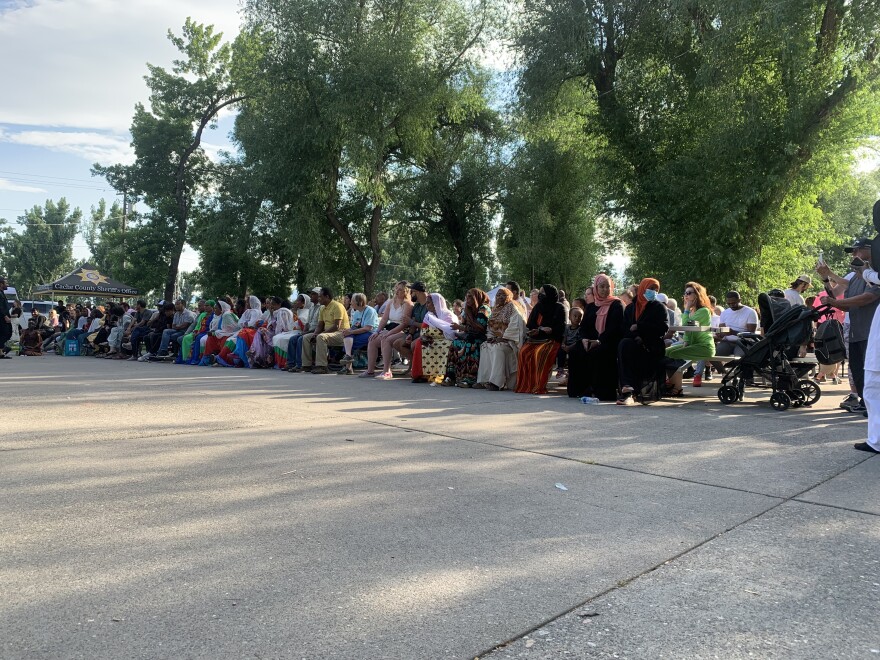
(698, 380)
(320, 371)
(858, 408)
(133, 358)
(852, 399)
(346, 359)
(127, 346)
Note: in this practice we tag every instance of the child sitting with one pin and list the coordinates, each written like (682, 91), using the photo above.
(569, 340)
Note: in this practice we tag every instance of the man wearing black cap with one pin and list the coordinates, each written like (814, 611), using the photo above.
(5, 320)
(860, 300)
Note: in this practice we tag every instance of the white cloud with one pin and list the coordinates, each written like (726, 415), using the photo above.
(102, 148)
(8, 186)
(80, 63)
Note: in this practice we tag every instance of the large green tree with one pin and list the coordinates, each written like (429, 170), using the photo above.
(134, 248)
(171, 169)
(40, 248)
(343, 97)
(718, 123)
(240, 239)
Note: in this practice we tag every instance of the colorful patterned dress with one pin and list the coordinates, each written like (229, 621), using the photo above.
(464, 354)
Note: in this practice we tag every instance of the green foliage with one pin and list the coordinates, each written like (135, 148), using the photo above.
(239, 240)
(717, 124)
(103, 233)
(548, 234)
(848, 209)
(359, 89)
(40, 249)
(171, 169)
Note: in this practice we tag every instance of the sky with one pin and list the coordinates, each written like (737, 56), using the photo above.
(72, 73)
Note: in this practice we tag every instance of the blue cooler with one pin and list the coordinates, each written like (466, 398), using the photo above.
(71, 348)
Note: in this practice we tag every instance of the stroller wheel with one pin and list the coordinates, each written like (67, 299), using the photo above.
(728, 394)
(811, 391)
(780, 401)
(798, 398)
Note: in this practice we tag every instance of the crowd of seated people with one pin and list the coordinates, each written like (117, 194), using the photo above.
(602, 344)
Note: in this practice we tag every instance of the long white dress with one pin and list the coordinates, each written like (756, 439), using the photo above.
(498, 360)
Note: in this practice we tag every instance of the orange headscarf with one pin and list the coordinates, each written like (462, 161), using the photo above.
(641, 301)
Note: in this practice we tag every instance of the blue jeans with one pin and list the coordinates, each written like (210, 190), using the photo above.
(137, 336)
(294, 351)
(170, 335)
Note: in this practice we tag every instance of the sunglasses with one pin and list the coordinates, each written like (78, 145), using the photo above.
(689, 292)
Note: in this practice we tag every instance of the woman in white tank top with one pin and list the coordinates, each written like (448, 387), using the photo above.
(394, 320)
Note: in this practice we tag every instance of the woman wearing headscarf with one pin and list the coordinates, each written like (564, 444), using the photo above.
(191, 344)
(286, 325)
(250, 320)
(223, 326)
(592, 362)
(286, 340)
(261, 352)
(463, 362)
(544, 331)
(498, 354)
(641, 351)
(429, 363)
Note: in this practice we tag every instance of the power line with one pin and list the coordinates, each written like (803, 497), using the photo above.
(76, 186)
(46, 176)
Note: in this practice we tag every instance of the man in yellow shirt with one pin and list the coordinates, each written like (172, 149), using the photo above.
(331, 322)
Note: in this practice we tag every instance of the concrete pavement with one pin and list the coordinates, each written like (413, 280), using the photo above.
(160, 511)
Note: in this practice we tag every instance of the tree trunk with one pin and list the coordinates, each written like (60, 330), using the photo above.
(174, 266)
(465, 264)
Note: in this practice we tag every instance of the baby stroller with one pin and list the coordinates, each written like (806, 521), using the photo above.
(786, 328)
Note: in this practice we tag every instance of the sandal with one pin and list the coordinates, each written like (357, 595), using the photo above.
(672, 393)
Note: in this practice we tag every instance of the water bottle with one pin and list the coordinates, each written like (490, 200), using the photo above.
(589, 400)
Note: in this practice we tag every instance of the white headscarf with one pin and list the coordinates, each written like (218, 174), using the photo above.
(442, 316)
(252, 315)
(283, 320)
(224, 325)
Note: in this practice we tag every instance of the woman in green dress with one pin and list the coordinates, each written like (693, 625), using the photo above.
(697, 345)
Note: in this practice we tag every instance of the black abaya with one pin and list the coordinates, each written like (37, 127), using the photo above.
(594, 372)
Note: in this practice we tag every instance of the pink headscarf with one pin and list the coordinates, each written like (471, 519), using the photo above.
(603, 303)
